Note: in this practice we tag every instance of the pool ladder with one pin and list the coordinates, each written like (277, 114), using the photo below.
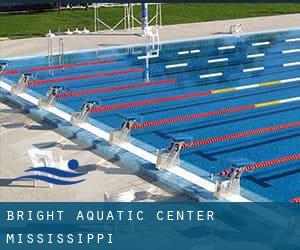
(153, 48)
(50, 53)
(61, 53)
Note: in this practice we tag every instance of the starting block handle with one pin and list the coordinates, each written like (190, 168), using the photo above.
(122, 135)
(127, 123)
(84, 113)
(50, 97)
(169, 157)
(231, 184)
(3, 65)
(22, 83)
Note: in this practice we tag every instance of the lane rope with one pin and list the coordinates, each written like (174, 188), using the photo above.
(111, 89)
(240, 135)
(160, 122)
(296, 200)
(269, 163)
(65, 66)
(147, 102)
(80, 77)
(263, 164)
(188, 96)
(191, 117)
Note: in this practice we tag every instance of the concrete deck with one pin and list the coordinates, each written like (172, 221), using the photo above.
(36, 46)
(18, 132)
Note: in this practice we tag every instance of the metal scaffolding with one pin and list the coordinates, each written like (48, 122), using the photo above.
(129, 20)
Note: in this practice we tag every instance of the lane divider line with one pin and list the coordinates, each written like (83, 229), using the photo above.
(256, 55)
(290, 51)
(218, 60)
(261, 43)
(194, 51)
(178, 65)
(147, 56)
(226, 47)
(253, 69)
(186, 52)
(210, 75)
(291, 64)
(183, 52)
(292, 40)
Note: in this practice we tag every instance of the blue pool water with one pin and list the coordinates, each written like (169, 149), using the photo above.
(237, 61)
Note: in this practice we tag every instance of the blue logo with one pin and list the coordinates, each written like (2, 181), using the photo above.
(62, 174)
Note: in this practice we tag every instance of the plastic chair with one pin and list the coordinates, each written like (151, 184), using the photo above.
(40, 158)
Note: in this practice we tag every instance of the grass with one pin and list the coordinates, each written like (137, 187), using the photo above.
(38, 24)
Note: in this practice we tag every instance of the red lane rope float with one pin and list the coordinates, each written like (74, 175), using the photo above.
(240, 134)
(271, 162)
(296, 200)
(110, 89)
(265, 164)
(65, 66)
(148, 102)
(71, 78)
(191, 117)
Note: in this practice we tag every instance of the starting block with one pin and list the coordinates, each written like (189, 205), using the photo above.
(226, 188)
(22, 84)
(3, 65)
(50, 97)
(231, 185)
(84, 113)
(170, 157)
(122, 135)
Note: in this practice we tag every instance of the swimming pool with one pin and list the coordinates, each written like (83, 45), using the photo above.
(232, 99)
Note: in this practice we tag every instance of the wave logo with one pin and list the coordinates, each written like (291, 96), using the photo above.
(54, 175)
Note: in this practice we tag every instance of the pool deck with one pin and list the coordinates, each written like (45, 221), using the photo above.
(18, 133)
(38, 45)
(106, 176)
